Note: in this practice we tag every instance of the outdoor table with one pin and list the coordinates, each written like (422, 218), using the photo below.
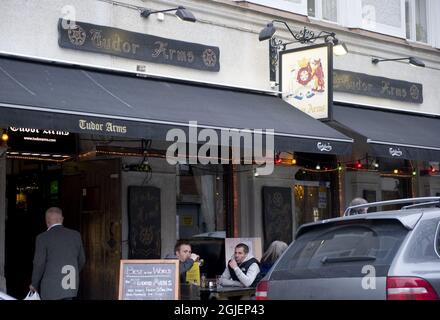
(225, 293)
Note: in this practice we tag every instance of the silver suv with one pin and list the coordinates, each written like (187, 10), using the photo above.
(392, 255)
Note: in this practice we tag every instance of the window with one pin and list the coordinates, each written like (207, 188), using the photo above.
(296, 6)
(341, 250)
(386, 17)
(437, 241)
(323, 9)
(416, 15)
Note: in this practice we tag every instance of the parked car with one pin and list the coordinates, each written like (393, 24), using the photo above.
(392, 255)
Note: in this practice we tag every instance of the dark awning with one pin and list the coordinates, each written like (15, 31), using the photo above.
(66, 97)
(393, 134)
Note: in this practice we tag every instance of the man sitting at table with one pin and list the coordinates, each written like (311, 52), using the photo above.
(243, 270)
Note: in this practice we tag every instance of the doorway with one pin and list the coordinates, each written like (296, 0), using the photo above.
(88, 192)
(94, 203)
(32, 187)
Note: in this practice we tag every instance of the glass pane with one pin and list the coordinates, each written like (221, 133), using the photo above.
(379, 239)
(312, 203)
(421, 21)
(437, 243)
(330, 10)
(311, 8)
(408, 21)
(383, 12)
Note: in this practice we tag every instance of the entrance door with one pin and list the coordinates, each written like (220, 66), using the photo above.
(91, 198)
(312, 201)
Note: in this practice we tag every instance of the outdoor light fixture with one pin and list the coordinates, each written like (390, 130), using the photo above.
(181, 13)
(303, 36)
(412, 61)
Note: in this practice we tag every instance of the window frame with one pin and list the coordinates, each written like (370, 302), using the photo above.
(385, 29)
(299, 8)
(318, 12)
(413, 26)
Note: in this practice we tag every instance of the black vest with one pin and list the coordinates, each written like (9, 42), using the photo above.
(245, 267)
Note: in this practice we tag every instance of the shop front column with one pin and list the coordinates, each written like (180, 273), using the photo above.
(2, 217)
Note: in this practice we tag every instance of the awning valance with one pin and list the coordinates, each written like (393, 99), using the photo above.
(393, 134)
(89, 100)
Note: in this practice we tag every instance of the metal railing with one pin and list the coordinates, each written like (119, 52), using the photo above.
(422, 201)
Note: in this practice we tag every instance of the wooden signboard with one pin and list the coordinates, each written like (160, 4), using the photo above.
(277, 215)
(149, 279)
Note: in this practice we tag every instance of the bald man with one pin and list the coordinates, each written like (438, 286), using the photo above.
(59, 257)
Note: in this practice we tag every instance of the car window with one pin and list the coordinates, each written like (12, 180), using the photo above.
(422, 246)
(342, 250)
(437, 241)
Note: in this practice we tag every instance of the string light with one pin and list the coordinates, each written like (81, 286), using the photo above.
(5, 136)
(278, 159)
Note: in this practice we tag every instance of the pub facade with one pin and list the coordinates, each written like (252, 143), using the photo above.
(98, 101)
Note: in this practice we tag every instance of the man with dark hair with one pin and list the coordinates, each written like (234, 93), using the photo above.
(182, 251)
(243, 269)
(59, 257)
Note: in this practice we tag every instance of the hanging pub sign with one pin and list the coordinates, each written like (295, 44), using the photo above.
(378, 87)
(306, 79)
(132, 45)
(41, 140)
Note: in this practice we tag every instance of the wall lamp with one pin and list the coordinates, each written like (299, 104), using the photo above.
(181, 12)
(412, 61)
(303, 36)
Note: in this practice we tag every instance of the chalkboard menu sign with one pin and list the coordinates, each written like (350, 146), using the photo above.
(149, 280)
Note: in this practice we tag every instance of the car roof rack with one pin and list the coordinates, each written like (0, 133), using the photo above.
(422, 201)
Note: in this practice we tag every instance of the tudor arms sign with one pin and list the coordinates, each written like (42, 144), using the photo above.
(379, 87)
(132, 45)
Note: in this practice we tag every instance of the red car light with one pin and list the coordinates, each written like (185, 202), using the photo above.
(261, 290)
(409, 288)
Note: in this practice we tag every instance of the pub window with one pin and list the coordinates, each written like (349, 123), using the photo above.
(416, 16)
(387, 17)
(295, 6)
(323, 9)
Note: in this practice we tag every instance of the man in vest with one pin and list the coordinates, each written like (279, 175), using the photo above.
(243, 270)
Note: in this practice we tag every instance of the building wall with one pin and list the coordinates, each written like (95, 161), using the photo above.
(226, 24)
(29, 27)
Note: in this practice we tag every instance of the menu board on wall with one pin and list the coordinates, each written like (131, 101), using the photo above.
(149, 279)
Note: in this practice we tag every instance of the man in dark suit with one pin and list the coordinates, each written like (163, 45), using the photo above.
(59, 257)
